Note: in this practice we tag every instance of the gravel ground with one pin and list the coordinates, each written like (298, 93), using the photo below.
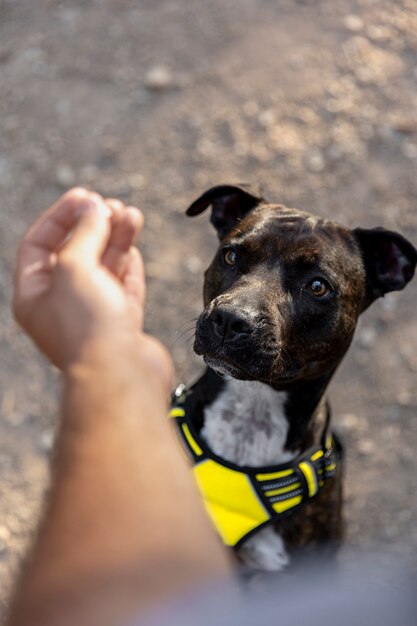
(155, 102)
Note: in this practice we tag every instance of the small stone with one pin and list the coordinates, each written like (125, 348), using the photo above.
(364, 74)
(193, 264)
(241, 148)
(410, 150)
(195, 120)
(8, 402)
(65, 176)
(378, 33)
(4, 533)
(89, 173)
(4, 540)
(348, 421)
(260, 152)
(14, 418)
(365, 446)
(296, 60)
(335, 105)
(23, 514)
(137, 181)
(389, 303)
(405, 398)
(353, 22)
(46, 441)
(206, 147)
(315, 161)
(266, 118)
(159, 78)
(250, 108)
(367, 337)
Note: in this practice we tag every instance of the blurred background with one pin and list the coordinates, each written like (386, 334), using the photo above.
(153, 102)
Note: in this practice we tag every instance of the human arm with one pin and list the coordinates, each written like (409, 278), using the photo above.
(123, 526)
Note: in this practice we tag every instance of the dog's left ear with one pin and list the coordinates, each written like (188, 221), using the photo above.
(390, 260)
(229, 204)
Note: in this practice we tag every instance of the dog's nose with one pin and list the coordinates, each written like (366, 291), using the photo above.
(229, 326)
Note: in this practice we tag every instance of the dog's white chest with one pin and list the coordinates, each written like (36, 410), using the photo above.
(246, 425)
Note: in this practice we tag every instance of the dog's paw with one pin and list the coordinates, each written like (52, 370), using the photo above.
(265, 551)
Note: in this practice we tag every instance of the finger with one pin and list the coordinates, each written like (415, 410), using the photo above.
(36, 254)
(116, 207)
(89, 237)
(50, 230)
(126, 225)
(134, 284)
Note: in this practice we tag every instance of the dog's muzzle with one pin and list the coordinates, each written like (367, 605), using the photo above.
(237, 341)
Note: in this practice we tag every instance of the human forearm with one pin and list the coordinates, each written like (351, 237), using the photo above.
(123, 526)
(117, 463)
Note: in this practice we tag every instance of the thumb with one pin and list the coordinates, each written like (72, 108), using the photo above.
(91, 233)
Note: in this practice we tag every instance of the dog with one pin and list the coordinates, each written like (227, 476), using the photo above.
(282, 298)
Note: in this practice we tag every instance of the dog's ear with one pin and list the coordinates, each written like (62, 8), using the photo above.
(229, 204)
(390, 260)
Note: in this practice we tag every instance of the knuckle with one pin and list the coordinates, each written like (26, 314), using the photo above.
(114, 203)
(66, 262)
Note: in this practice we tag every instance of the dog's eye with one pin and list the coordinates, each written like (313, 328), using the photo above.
(229, 256)
(319, 288)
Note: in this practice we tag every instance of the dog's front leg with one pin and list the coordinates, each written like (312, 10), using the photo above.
(264, 551)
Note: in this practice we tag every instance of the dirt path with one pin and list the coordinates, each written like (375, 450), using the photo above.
(154, 102)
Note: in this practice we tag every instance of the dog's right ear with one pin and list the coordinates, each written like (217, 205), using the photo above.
(390, 260)
(230, 203)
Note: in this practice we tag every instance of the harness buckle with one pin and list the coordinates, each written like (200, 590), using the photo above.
(179, 392)
(328, 454)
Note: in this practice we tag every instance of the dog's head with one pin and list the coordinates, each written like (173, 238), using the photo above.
(283, 294)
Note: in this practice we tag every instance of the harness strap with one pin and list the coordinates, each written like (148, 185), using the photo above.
(240, 500)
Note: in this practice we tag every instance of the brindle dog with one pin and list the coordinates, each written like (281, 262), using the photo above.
(282, 299)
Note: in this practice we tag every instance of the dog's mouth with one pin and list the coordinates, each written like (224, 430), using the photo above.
(225, 366)
(248, 361)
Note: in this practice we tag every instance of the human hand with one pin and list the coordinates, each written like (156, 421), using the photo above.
(80, 279)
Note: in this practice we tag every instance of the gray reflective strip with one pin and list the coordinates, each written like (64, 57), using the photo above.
(277, 484)
(286, 496)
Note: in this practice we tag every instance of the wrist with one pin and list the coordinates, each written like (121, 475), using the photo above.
(135, 359)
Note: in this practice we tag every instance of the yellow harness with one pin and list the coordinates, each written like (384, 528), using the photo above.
(241, 500)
